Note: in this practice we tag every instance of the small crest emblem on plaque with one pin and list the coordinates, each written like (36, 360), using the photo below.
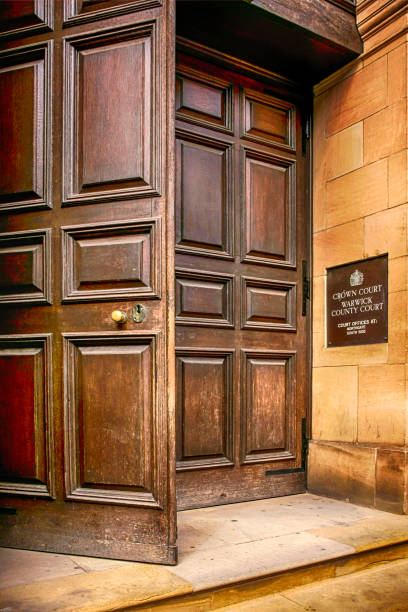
(356, 278)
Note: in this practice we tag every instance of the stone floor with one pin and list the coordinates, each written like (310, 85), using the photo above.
(218, 547)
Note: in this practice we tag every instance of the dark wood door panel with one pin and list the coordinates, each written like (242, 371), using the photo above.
(269, 210)
(25, 267)
(204, 299)
(26, 435)
(203, 100)
(25, 131)
(224, 485)
(268, 414)
(266, 218)
(109, 151)
(111, 401)
(109, 261)
(205, 417)
(25, 17)
(268, 120)
(79, 11)
(204, 220)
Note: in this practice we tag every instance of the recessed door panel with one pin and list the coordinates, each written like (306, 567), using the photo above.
(203, 204)
(268, 304)
(268, 120)
(25, 164)
(78, 11)
(269, 211)
(25, 406)
(110, 120)
(25, 17)
(203, 101)
(204, 299)
(110, 396)
(25, 267)
(268, 405)
(112, 261)
(204, 409)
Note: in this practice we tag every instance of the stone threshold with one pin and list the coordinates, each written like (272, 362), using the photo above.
(228, 554)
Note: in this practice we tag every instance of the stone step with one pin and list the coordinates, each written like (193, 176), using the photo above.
(229, 555)
(381, 588)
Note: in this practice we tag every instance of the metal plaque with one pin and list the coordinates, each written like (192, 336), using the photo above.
(357, 302)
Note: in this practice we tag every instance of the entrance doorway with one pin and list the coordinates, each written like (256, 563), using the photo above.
(241, 238)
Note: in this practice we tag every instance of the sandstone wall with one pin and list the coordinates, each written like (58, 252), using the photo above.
(359, 447)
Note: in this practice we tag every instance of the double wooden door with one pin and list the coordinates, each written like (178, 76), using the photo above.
(87, 191)
(241, 238)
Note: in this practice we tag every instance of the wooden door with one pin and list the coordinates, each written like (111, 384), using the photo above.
(86, 179)
(241, 237)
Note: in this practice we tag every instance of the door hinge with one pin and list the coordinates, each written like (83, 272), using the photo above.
(307, 128)
(305, 288)
(305, 444)
(306, 134)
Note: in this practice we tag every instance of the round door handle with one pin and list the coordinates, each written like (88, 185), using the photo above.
(119, 316)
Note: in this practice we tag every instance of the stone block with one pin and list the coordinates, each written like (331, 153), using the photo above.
(335, 403)
(397, 73)
(385, 132)
(397, 327)
(397, 274)
(338, 245)
(346, 355)
(344, 151)
(391, 466)
(398, 178)
(342, 471)
(357, 194)
(358, 96)
(319, 301)
(386, 232)
(381, 404)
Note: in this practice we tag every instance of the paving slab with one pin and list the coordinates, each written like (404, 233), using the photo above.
(99, 591)
(368, 533)
(207, 569)
(20, 566)
(208, 528)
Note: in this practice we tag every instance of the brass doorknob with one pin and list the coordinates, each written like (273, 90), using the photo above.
(119, 316)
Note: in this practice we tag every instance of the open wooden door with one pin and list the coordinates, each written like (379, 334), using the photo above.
(242, 228)
(86, 197)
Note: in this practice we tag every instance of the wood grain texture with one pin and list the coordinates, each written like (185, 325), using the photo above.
(202, 100)
(268, 304)
(25, 158)
(269, 210)
(266, 119)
